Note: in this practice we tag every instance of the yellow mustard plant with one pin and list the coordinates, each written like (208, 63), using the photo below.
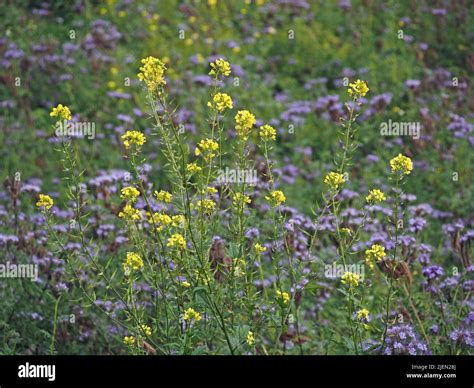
(146, 329)
(276, 198)
(244, 122)
(129, 340)
(191, 314)
(401, 164)
(152, 73)
(375, 195)
(207, 148)
(133, 138)
(163, 196)
(376, 253)
(334, 180)
(129, 213)
(220, 67)
(130, 193)
(259, 248)
(358, 89)
(240, 199)
(62, 112)
(221, 102)
(351, 279)
(193, 168)
(133, 262)
(250, 339)
(176, 241)
(45, 201)
(282, 297)
(267, 133)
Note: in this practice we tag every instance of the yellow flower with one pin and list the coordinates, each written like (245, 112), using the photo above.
(130, 213)
(250, 339)
(267, 132)
(334, 180)
(206, 206)
(185, 284)
(146, 329)
(220, 66)
(375, 195)
(61, 112)
(152, 73)
(45, 201)
(276, 198)
(351, 279)
(193, 168)
(129, 340)
(159, 221)
(259, 248)
(164, 196)
(133, 138)
(358, 89)
(210, 190)
(363, 314)
(178, 221)
(240, 199)
(375, 253)
(130, 193)
(132, 262)
(176, 241)
(402, 164)
(220, 102)
(190, 314)
(283, 297)
(207, 149)
(244, 122)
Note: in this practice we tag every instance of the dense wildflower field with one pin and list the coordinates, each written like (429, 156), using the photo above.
(236, 177)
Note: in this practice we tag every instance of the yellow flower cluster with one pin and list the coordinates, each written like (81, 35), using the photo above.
(146, 329)
(375, 195)
(130, 213)
(62, 112)
(240, 199)
(206, 206)
(133, 138)
(375, 254)
(250, 339)
(220, 66)
(282, 297)
(358, 89)
(163, 195)
(190, 314)
(351, 279)
(401, 164)
(130, 193)
(133, 262)
(160, 221)
(363, 314)
(207, 149)
(267, 133)
(276, 198)
(129, 340)
(244, 122)
(178, 221)
(221, 102)
(176, 241)
(152, 73)
(259, 248)
(45, 201)
(334, 180)
(193, 168)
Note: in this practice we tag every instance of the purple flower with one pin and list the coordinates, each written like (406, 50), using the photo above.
(433, 272)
